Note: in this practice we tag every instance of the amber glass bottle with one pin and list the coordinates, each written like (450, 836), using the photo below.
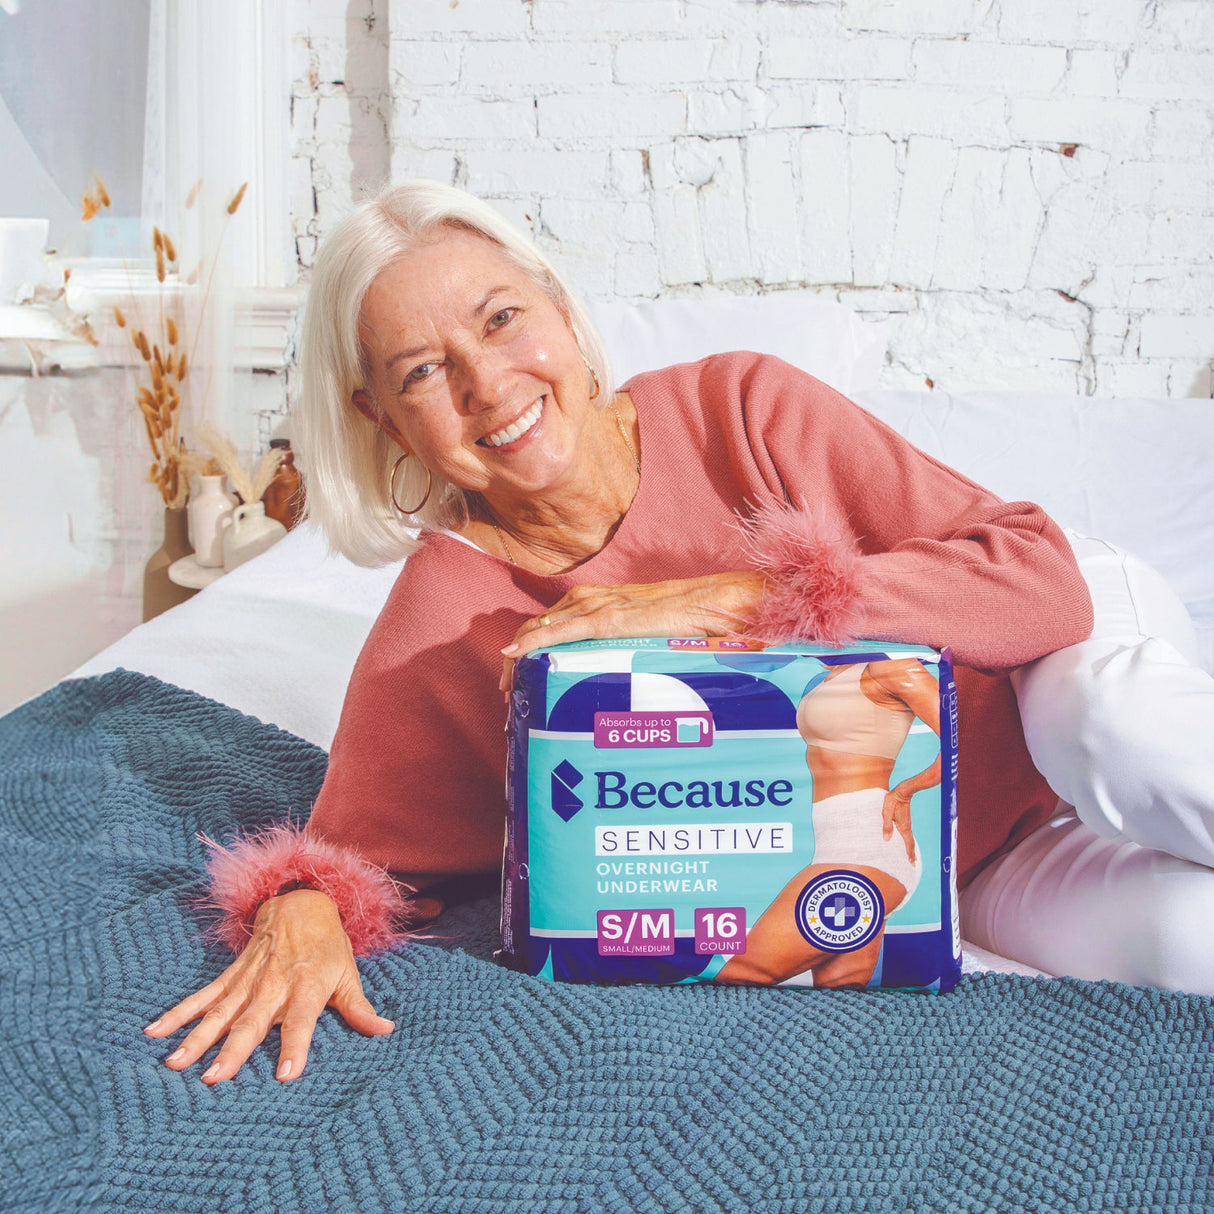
(284, 499)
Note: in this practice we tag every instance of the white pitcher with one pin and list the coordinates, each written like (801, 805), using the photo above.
(248, 534)
(208, 510)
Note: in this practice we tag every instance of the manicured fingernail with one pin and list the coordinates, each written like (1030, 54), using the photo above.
(211, 1073)
(284, 1069)
(176, 1055)
(151, 1028)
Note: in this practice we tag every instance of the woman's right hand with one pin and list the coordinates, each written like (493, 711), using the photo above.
(298, 962)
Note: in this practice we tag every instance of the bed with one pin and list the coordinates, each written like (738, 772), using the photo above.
(501, 1092)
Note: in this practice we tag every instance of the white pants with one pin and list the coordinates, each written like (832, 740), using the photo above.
(1121, 884)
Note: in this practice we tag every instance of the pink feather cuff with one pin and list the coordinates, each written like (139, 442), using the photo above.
(813, 566)
(373, 907)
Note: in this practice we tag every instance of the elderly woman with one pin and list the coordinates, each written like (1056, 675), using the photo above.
(452, 383)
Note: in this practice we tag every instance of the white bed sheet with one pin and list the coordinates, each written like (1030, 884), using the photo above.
(276, 638)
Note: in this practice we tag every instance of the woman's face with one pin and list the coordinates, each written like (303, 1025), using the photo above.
(474, 368)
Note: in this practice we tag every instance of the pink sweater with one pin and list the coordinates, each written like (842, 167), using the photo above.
(416, 772)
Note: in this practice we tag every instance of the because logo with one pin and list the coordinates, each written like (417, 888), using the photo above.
(565, 778)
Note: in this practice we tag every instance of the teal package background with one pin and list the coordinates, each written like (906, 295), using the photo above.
(696, 810)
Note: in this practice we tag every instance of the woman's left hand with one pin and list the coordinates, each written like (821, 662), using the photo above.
(716, 605)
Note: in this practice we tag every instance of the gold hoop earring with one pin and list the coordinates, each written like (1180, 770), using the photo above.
(392, 487)
(595, 394)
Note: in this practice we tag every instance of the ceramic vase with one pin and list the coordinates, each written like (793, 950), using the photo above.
(248, 534)
(207, 513)
(159, 593)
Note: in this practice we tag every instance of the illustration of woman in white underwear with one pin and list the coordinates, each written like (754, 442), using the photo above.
(854, 723)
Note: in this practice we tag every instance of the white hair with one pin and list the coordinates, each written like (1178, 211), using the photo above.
(347, 457)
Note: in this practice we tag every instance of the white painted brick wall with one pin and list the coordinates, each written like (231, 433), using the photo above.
(862, 57)
(913, 18)
(825, 204)
(1035, 69)
(927, 174)
(1023, 188)
(771, 200)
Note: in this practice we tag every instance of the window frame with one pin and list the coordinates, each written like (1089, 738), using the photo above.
(219, 110)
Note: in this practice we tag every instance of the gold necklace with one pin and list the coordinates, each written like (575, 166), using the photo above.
(619, 421)
(636, 459)
(500, 536)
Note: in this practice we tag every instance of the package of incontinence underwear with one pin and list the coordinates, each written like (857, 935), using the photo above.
(701, 810)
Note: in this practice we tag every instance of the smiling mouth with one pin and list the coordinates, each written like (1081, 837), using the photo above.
(516, 430)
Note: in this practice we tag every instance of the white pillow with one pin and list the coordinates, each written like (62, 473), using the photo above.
(276, 638)
(822, 337)
(1135, 472)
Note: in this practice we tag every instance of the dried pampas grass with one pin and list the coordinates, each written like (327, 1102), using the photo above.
(96, 198)
(167, 363)
(194, 463)
(250, 486)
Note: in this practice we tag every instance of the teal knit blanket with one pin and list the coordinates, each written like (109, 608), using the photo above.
(500, 1092)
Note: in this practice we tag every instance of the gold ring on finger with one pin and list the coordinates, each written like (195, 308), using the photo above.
(545, 620)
